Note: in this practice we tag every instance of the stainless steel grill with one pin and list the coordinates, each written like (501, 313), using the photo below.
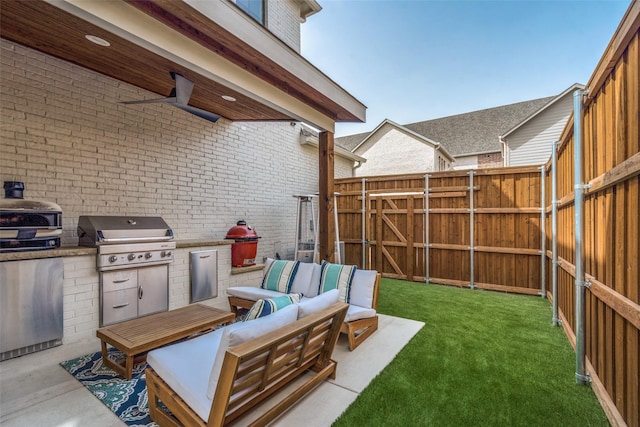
(127, 242)
(133, 259)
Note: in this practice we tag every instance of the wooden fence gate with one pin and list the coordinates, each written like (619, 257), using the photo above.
(478, 229)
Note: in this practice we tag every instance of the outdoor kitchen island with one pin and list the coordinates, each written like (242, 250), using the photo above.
(81, 287)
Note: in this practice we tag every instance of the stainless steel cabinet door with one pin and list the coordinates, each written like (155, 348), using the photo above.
(153, 289)
(203, 269)
(30, 302)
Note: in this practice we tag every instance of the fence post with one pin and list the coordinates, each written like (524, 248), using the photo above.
(472, 284)
(426, 228)
(543, 231)
(554, 231)
(580, 284)
(364, 224)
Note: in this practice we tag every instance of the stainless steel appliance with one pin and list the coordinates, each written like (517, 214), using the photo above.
(31, 313)
(29, 225)
(134, 253)
(203, 270)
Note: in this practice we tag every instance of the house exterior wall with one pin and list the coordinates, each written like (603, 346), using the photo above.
(490, 160)
(391, 151)
(66, 137)
(283, 20)
(465, 162)
(531, 143)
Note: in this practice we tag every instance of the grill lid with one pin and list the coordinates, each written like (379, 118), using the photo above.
(97, 230)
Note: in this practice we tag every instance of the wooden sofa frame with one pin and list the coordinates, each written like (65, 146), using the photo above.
(357, 331)
(254, 370)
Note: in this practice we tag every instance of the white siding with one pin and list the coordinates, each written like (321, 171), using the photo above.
(531, 143)
(391, 151)
(465, 162)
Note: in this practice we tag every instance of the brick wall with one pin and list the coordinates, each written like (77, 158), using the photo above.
(65, 136)
(283, 20)
(491, 160)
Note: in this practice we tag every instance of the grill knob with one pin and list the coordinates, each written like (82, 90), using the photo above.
(131, 257)
(113, 258)
(147, 255)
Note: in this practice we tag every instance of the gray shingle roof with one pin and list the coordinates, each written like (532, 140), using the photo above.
(467, 133)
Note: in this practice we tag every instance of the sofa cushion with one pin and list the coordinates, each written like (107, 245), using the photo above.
(243, 331)
(307, 279)
(337, 276)
(264, 307)
(252, 293)
(280, 275)
(184, 367)
(309, 306)
(355, 312)
(362, 288)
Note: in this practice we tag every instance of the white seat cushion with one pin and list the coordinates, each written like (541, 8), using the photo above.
(362, 288)
(185, 366)
(355, 312)
(240, 332)
(252, 293)
(309, 306)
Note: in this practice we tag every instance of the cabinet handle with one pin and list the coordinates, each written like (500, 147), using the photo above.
(204, 256)
(140, 292)
(121, 305)
(121, 281)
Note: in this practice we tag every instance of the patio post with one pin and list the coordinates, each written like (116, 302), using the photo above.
(326, 234)
(364, 223)
(580, 283)
(543, 231)
(472, 283)
(426, 228)
(554, 231)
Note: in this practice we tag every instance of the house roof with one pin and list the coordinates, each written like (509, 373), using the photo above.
(468, 133)
(540, 110)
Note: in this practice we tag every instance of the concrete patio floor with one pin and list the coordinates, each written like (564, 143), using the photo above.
(36, 391)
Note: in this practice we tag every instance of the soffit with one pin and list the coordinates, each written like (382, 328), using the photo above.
(149, 39)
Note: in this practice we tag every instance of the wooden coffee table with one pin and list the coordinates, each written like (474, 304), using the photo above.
(140, 335)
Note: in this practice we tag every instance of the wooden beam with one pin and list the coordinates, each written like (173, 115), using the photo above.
(327, 232)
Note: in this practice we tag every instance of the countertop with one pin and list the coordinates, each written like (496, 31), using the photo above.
(66, 251)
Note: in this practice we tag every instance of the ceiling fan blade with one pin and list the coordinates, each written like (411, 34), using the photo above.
(170, 100)
(203, 114)
(184, 88)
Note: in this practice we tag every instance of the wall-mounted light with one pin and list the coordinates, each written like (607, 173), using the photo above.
(97, 40)
(228, 98)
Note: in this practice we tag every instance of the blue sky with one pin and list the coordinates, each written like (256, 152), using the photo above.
(415, 60)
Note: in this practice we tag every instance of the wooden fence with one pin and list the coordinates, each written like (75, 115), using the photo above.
(611, 238)
(484, 229)
(481, 228)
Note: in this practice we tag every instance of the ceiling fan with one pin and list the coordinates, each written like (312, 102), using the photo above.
(179, 97)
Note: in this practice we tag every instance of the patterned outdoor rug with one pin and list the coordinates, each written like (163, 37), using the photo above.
(127, 399)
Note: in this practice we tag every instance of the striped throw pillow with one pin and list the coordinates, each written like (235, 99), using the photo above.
(264, 307)
(280, 275)
(337, 276)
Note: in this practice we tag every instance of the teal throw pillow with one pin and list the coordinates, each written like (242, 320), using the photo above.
(264, 307)
(337, 276)
(280, 275)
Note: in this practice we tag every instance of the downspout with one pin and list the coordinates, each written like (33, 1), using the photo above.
(503, 146)
(580, 284)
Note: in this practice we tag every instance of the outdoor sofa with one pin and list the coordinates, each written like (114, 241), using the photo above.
(358, 288)
(215, 378)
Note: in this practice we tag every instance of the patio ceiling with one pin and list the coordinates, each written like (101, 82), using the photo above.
(213, 44)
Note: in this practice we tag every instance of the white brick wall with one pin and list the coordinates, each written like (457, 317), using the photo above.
(391, 151)
(65, 136)
(283, 20)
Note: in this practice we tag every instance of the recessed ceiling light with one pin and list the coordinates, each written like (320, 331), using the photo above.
(97, 40)
(228, 98)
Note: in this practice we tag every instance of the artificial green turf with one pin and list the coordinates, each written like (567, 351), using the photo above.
(482, 359)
